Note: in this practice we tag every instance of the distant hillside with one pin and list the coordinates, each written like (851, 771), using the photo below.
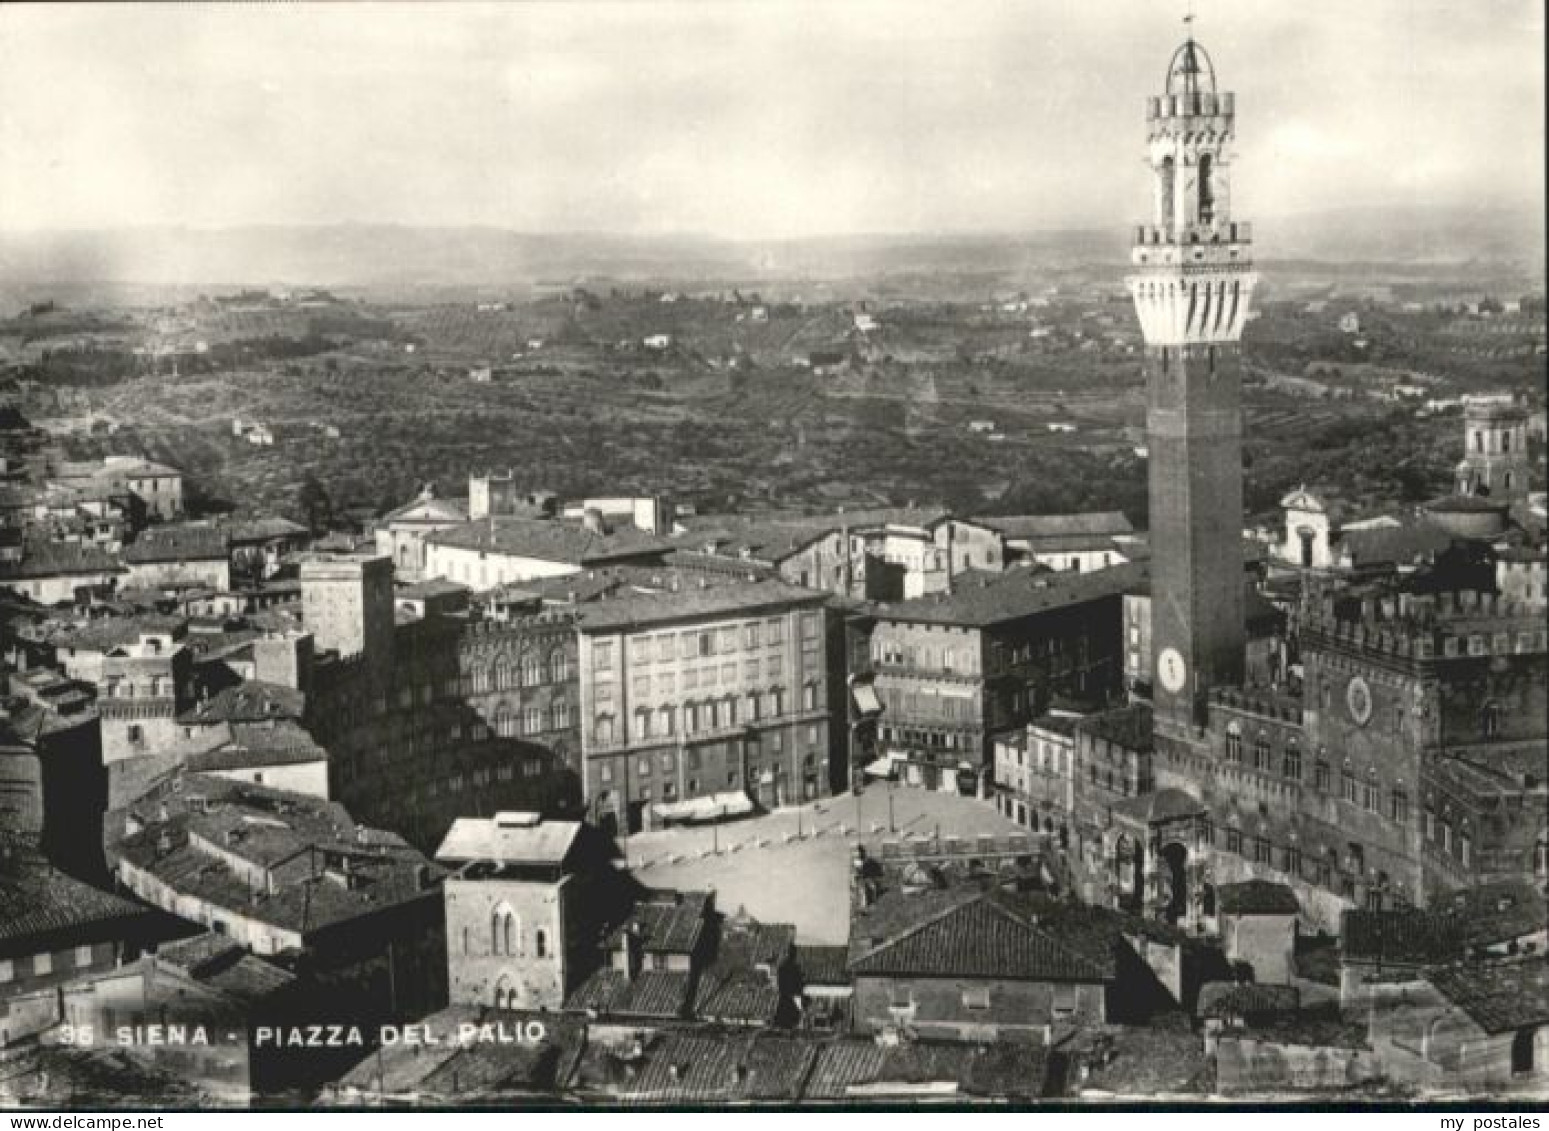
(364, 255)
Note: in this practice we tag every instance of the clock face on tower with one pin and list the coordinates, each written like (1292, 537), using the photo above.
(1358, 697)
(1171, 670)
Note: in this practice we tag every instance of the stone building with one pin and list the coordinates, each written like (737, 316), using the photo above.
(347, 606)
(468, 717)
(700, 691)
(1495, 453)
(1409, 758)
(954, 669)
(401, 533)
(525, 908)
(956, 963)
(186, 554)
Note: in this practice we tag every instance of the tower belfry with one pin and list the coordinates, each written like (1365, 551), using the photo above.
(1192, 283)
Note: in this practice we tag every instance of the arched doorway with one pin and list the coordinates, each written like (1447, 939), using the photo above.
(1175, 857)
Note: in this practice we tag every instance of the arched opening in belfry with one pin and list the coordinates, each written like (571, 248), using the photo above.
(1207, 192)
(1308, 538)
(1165, 191)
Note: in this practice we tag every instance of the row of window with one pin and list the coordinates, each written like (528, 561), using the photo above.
(700, 718)
(665, 683)
(720, 641)
(530, 671)
(532, 720)
(46, 963)
(505, 936)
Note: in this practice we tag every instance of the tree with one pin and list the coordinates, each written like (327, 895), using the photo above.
(315, 504)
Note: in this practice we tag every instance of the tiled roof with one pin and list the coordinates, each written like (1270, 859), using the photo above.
(660, 994)
(1016, 594)
(1481, 916)
(1245, 999)
(978, 939)
(1405, 936)
(1257, 897)
(254, 744)
(1399, 544)
(1089, 524)
(107, 633)
(549, 540)
(850, 1067)
(178, 544)
(1129, 727)
(1499, 997)
(692, 603)
(1496, 912)
(290, 835)
(823, 965)
(39, 903)
(741, 983)
(716, 1068)
(60, 559)
(224, 965)
(669, 922)
(264, 529)
(250, 701)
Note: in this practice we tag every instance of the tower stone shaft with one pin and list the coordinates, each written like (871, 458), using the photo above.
(1192, 285)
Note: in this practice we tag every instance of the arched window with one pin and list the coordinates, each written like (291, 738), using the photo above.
(1261, 751)
(500, 674)
(503, 721)
(1490, 720)
(504, 930)
(560, 713)
(532, 720)
(532, 670)
(1164, 193)
(1233, 742)
(559, 666)
(604, 728)
(541, 943)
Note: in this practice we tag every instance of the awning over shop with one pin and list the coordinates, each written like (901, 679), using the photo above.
(884, 766)
(866, 701)
(713, 807)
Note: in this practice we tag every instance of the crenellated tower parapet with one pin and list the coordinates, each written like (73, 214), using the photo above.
(1193, 281)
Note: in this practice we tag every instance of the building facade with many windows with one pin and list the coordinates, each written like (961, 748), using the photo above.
(696, 693)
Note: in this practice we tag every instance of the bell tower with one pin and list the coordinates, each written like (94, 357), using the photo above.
(1192, 283)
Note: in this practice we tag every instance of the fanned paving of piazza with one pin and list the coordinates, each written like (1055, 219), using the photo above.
(610, 799)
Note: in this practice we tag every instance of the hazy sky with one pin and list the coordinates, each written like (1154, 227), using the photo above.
(747, 118)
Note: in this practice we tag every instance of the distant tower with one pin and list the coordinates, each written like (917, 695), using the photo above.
(347, 606)
(1192, 285)
(1495, 459)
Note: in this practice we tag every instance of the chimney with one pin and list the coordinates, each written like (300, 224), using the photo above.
(591, 520)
